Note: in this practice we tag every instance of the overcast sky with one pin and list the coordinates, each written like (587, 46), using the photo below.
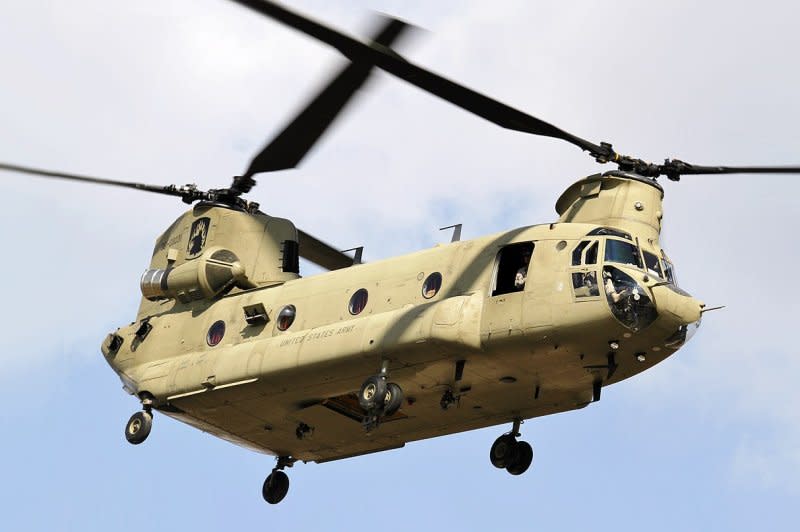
(180, 91)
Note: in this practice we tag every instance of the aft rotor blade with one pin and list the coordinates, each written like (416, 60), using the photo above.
(299, 136)
(322, 254)
(468, 99)
(188, 193)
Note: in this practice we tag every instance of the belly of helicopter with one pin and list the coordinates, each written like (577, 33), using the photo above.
(306, 424)
(312, 414)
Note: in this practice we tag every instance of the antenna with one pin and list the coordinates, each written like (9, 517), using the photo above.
(456, 232)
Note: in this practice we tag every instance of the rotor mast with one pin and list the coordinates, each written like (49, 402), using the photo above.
(615, 199)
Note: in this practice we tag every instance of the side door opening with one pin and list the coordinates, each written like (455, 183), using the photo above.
(511, 271)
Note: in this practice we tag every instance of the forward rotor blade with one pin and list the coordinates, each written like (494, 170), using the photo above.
(322, 254)
(187, 193)
(675, 168)
(299, 136)
(468, 99)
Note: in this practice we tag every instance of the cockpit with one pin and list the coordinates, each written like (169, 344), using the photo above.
(627, 253)
(630, 302)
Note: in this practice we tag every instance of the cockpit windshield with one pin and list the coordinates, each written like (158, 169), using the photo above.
(626, 252)
(623, 253)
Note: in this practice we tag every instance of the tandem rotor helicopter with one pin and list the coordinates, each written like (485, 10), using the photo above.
(536, 320)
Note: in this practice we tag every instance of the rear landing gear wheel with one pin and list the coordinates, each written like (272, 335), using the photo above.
(275, 487)
(138, 427)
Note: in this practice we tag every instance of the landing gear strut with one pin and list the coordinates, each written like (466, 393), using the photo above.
(379, 398)
(276, 486)
(509, 454)
(140, 423)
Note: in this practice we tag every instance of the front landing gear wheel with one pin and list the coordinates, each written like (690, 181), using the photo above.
(138, 427)
(523, 457)
(503, 451)
(275, 487)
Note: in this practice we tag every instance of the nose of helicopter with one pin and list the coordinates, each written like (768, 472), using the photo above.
(680, 310)
(677, 305)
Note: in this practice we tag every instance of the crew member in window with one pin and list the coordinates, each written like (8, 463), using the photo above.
(587, 286)
(522, 273)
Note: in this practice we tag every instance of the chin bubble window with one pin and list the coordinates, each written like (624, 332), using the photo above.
(215, 333)
(682, 335)
(628, 300)
(432, 285)
(358, 301)
(286, 317)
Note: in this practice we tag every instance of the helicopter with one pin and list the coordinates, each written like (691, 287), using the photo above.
(603, 368)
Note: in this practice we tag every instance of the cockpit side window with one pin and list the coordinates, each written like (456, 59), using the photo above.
(577, 253)
(582, 255)
(584, 284)
(591, 254)
(622, 252)
(584, 281)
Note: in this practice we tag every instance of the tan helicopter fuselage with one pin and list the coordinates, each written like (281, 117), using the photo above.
(469, 351)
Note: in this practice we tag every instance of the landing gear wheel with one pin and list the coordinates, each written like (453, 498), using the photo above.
(523, 457)
(372, 395)
(275, 487)
(394, 399)
(138, 427)
(503, 451)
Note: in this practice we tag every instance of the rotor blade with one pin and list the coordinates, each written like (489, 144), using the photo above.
(297, 138)
(468, 99)
(674, 168)
(188, 193)
(322, 254)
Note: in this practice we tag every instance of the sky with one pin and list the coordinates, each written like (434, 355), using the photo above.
(180, 91)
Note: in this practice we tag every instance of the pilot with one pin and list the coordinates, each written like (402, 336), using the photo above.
(522, 273)
(611, 290)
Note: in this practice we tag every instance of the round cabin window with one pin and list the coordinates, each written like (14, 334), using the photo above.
(286, 317)
(215, 333)
(358, 301)
(432, 285)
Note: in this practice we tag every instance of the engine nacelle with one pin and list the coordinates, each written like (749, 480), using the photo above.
(213, 273)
